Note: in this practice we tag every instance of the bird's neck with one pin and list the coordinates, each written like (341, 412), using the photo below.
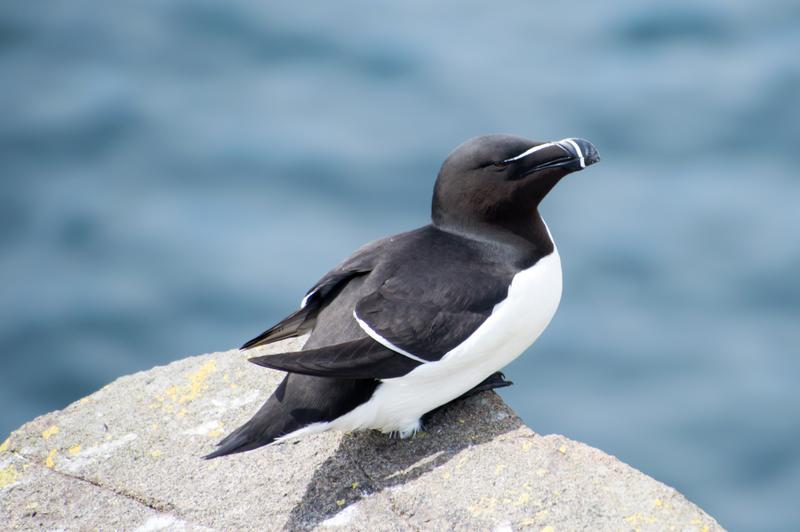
(528, 236)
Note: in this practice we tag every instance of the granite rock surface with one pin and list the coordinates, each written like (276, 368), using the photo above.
(128, 457)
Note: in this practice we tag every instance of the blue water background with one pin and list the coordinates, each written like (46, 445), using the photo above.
(174, 176)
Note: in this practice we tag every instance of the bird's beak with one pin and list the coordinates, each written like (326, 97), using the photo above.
(570, 154)
(581, 153)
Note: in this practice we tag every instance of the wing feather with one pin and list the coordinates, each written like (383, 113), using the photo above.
(359, 359)
(303, 320)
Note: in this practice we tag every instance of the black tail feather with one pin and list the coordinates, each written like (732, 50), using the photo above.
(297, 402)
(268, 424)
(294, 325)
(242, 439)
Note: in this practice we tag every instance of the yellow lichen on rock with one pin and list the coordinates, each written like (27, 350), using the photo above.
(197, 381)
(4, 446)
(697, 522)
(640, 519)
(50, 461)
(49, 432)
(485, 506)
(8, 475)
(216, 432)
(75, 449)
(178, 394)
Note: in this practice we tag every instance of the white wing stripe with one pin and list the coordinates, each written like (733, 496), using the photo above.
(304, 302)
(384, 342)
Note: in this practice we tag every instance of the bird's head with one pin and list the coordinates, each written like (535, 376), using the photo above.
(501, 179)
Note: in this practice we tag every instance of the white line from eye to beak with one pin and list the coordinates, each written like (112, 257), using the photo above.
(574, 144)
(529, 151)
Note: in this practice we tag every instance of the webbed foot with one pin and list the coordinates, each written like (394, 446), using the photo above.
(493, 381)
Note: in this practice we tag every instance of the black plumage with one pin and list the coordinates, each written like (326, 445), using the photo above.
(420, 293)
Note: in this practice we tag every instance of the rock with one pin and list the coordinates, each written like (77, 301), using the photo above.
(128, 457)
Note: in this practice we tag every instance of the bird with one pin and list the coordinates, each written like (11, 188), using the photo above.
(414, 321)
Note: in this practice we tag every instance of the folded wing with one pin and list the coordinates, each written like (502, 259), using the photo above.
(427, 323)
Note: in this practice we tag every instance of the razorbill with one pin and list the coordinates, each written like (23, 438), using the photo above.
(413, 321)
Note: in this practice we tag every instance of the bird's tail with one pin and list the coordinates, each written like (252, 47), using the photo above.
(299, 401)
(269, 424)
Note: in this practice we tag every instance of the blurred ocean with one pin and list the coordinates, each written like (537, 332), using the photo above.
(176, 174)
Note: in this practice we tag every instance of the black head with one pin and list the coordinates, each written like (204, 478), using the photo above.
(499, 180)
